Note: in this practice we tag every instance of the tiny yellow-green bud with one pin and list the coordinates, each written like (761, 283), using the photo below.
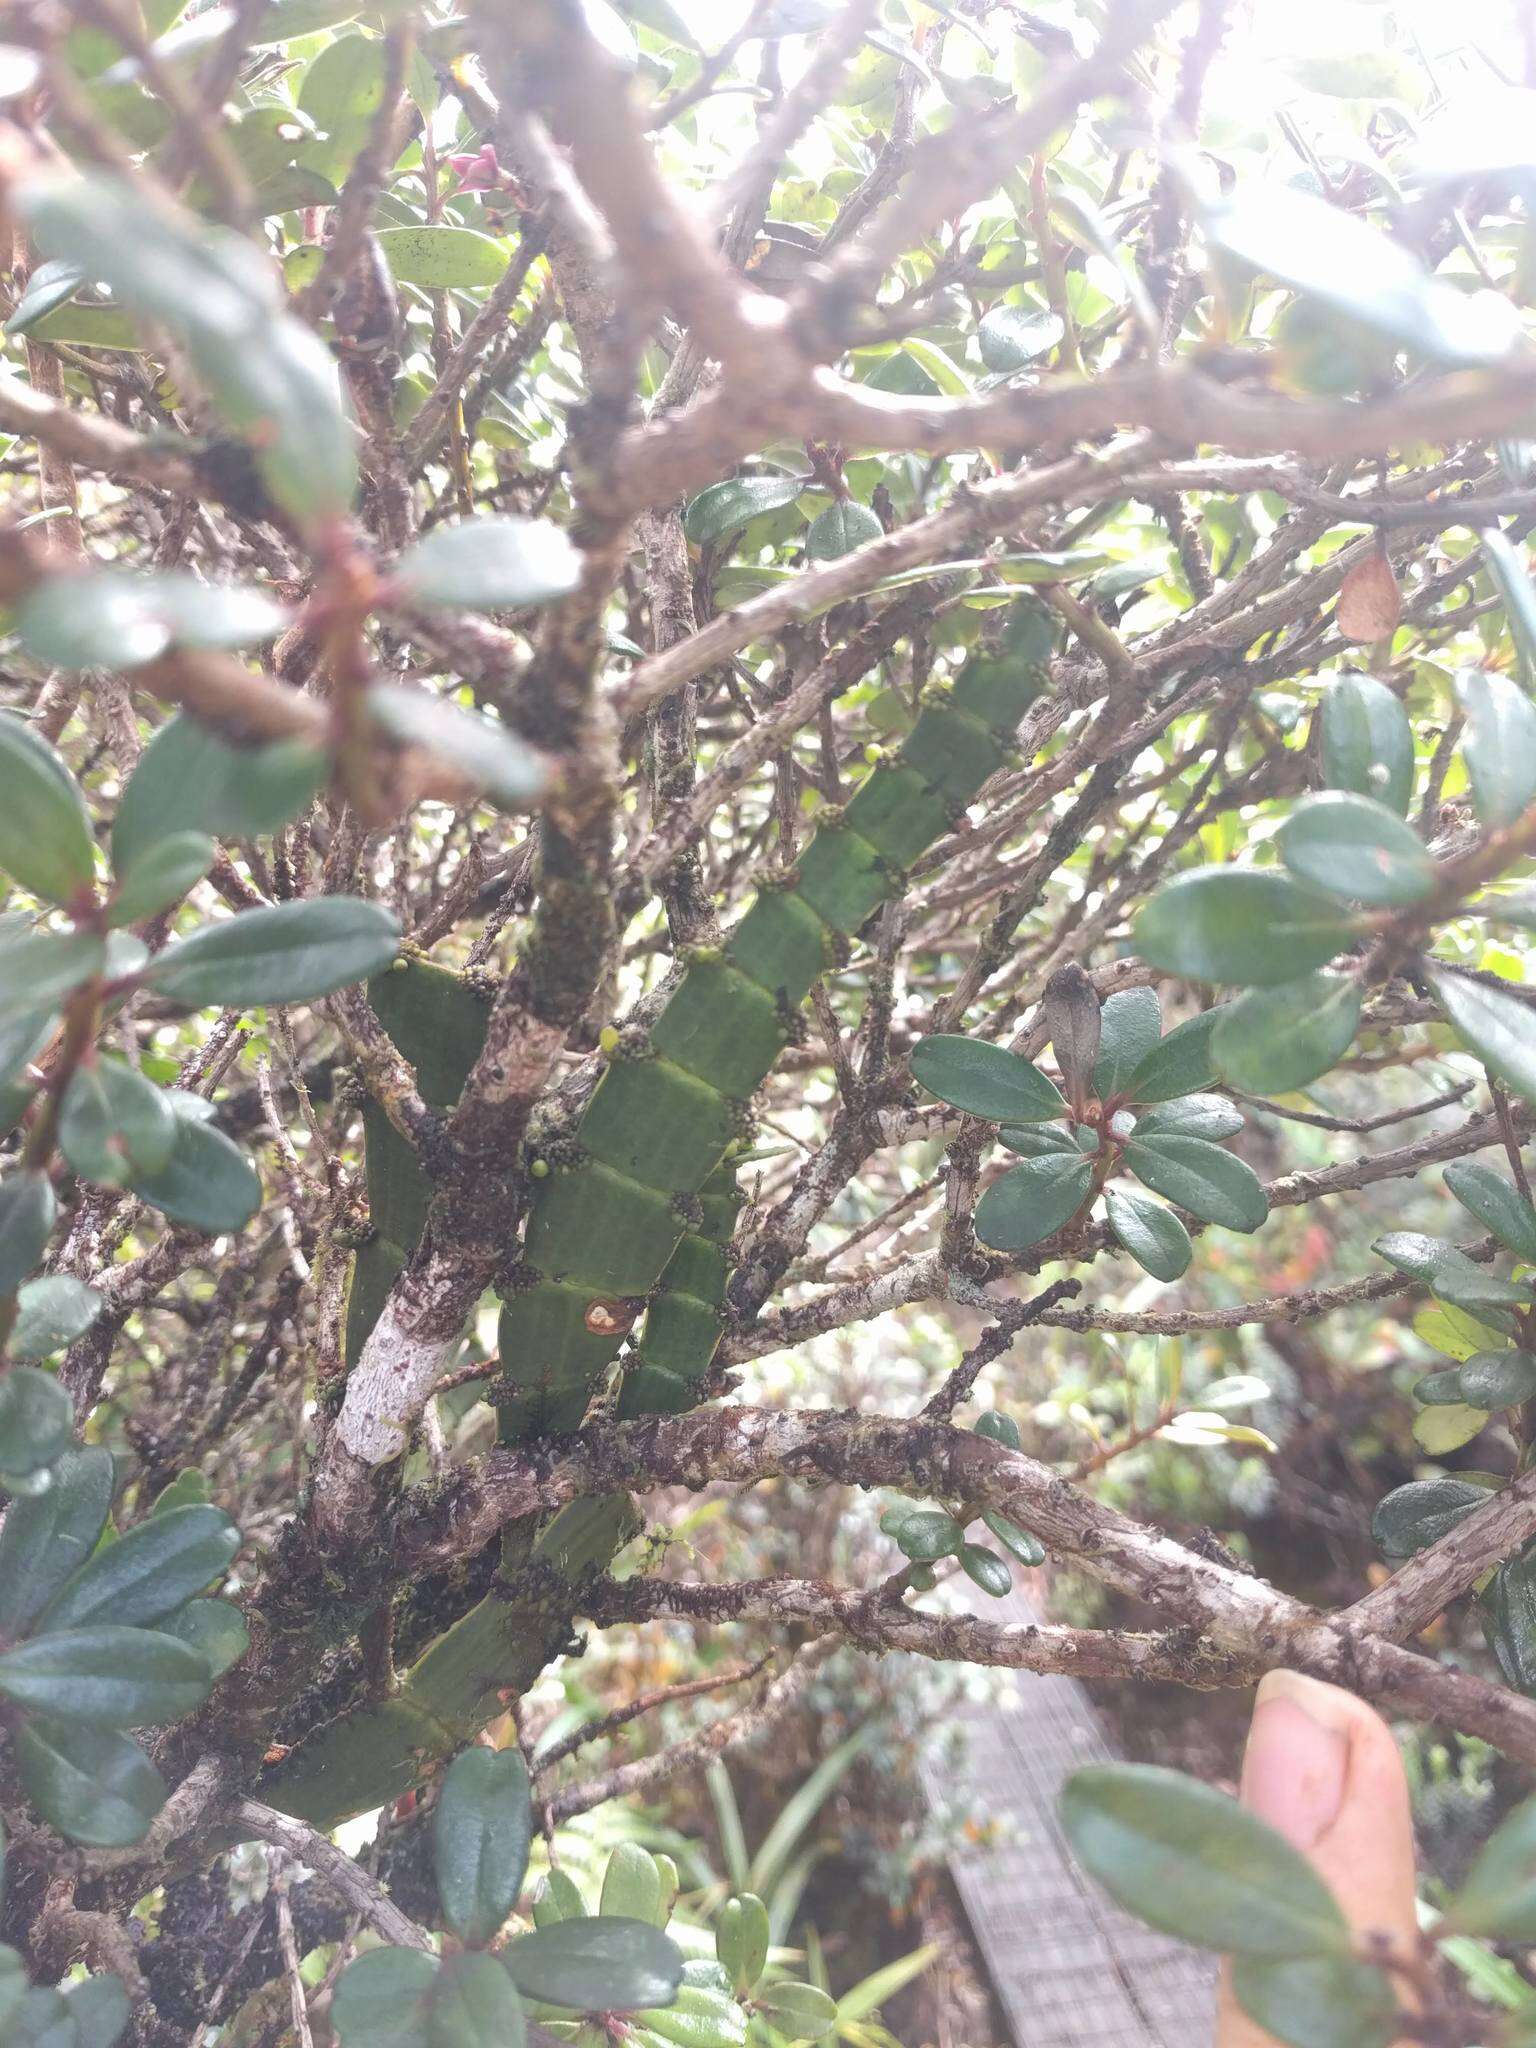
(608, 1040)
(874, 753)
(539, 1168)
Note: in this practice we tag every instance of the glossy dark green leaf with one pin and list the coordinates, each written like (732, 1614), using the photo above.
(114, 1124)
(51, 1312)
(51, 285)
(1508, 1604)
(1492, 1022)
(924, 1534)
(1412, 1517)
(481, 1829)
(727, 507)
(1131, 1023)
(491, 756)
(1318, 2001)
(488, 564)
(382, 1999)
(1029, 1550)
(1072, 1017)
(596, 1965)
(1353, 847)
(558, 1898)
(1192, 1862)
(1012, 337)
(1495, 1202)
(1498, 745)
(1449, 1273)
(207, 1181)
(27, 1209)
(1211, 1117)
(214, 1628)
(1250, 926)
(473, 2004)
(1027, 1203)
(1037, 1141)
(1272, 1040)
(1498, 1379)
(45, 828)
(1506, 567)
(95, 1786)
(42, 2020)
(46, 1536)
(39, 969)
(800, 2012)
(37, 1420)
(100, 2009)
(985, 1080)
(843, 527)
(110, 1677)
(987, 1570)
(149, 1572)
(1498, 1895)
(1439, 1389)
(1367, 741)
(190, 780)
(742, 1936)
(1214, 1185)
(1153, 1235)
(1334, 258)
(288, 953)
(1001, 1428)
(1180, 1064)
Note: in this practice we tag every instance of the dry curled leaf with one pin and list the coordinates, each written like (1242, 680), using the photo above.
(1370, 602)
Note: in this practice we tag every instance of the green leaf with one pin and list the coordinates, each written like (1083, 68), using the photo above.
(162, 876)
(50, 285)
(742, 1939)
(1001, 1428)
(287, 953)
(190, 780)
(1448, 1272)
(473, 2005)
(1458, 1334)
(112, 1676)
(22, 1038)
(1498, 1379)
(1030, 1201)
(1498, 745)
(46, 1535)
(1367, 742)
(1038, 1141)
(1439, 1431)
(481, 1829)
(985, 1080)
(148, 1573)
(558, 1898)
(1509, 1618)
(37, 1420)
(1012, 337)
(1506, 567)
(987, 1570)
(1153, 1235)
(438, 258)
(45, 828)
(1496, 1204)
(924, 1534)
(1498, 1895)
(1493, 1023)
(1210, 1117)
(1216, 1186)
(1334, 258)
(100, 2009)
(1029, 1550)
(114, 1124)
(50, 1314)
(38, 969)
(701, 2016)
(1412, 1517)
(114, 618)
(381, 1999)
(1180, 1065)
(95, 1786)
(596, 1965)
(1244, 925)
(1131, 1023)
(1272, 1040)
(631, 1885)
(1353, 847)
(843, 527)
(207, 1181)
(1193, 1863)
(1439, 1389)
(1318, 2001)
(214, 1628)
(489, 754)
(27, 1209)
(800, 2012)
(726, 507)
(489, 563)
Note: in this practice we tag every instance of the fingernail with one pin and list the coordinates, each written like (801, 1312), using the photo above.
(1297, 1759)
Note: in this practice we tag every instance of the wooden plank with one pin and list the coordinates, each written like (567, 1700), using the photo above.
(1069, 1968)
